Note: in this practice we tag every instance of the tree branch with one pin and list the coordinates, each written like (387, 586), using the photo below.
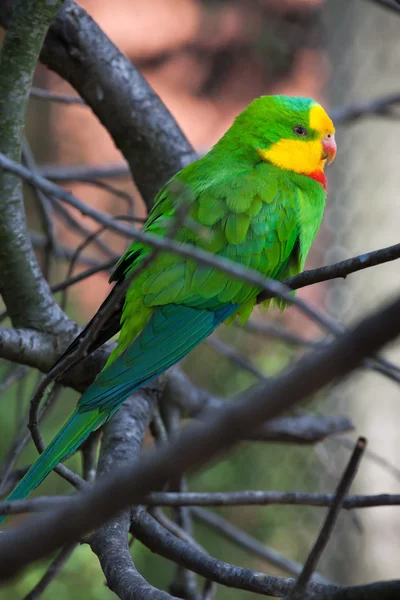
(48, 95)
(28, 347)
(239, 537)
(51, 573)
(65, 173)
(304, 429)
(122, 441)
(25, 292)
(197, 443)
(159, 540)
(302, 583)
(393, 5)
(139, 123)
(382, 107)
(340, 269)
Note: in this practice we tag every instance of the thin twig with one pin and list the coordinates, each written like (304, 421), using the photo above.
(65, 173)
(66, 283)
(62, 252)
(35, 418)
(274, 331)
(345, 482)
(393, 5)
(44, 209)
(75, 258)
(115, 192)
(174, 528)
(195, 499)
(15, 374)
(75, 225)
(382, 107)
(371, 455)
(244, 540)
(51, 573)
(51, 96)
(232, 355)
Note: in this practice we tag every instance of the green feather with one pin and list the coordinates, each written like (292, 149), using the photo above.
(238, 207)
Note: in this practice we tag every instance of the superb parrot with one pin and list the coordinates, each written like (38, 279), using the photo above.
(256, 198)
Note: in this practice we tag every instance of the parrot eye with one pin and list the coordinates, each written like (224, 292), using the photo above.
(300, 130)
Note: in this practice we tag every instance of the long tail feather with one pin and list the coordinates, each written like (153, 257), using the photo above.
(171, 332)
(68, 439)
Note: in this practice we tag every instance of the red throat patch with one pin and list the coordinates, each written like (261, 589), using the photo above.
(317, 176)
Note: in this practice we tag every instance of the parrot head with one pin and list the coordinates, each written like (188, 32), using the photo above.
(291, 132)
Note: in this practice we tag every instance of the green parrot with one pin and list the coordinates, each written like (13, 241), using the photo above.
(256, 198)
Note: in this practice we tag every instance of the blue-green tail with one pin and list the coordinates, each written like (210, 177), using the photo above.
(68, 439)
(171, 332)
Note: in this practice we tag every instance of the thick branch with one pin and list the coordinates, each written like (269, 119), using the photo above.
(304, 429)
(139, 123)
(159, 540)
(33, 348)
(40, 350)
(197, 443)
(25, 293)
(122, 441)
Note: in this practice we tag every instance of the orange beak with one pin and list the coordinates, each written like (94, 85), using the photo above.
(328, 148)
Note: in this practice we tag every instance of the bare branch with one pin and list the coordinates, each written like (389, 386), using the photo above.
(51, 573)
(194, 499)
(232, 355)
(244, 540)
(203, 564)
(393, 5)
(304, 429)
(159, 540)
(62, 252)
(302, 583)
(66, 283)
(382, 107)
(122, 441)
(276, 332)
(340, 269)
(262, 498)
(148, 137)
(197, 444)
(82, 172)
(371, 455)
(48, 95)
(25, 293)
(44, 209)
(33, 348)
(37, 181)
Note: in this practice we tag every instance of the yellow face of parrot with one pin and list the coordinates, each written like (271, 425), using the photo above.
(312, 145)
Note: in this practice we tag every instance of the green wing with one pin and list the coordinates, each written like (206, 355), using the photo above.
(249, 218)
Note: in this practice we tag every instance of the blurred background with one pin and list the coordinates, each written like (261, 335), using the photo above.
(208, 59)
